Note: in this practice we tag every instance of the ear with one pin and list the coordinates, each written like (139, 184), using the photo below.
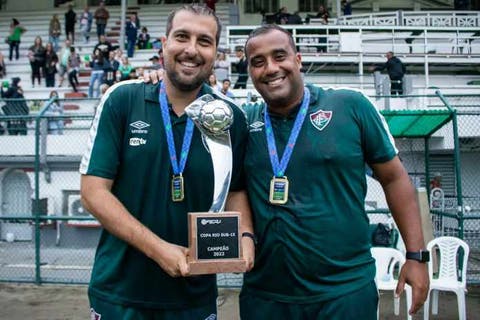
(164, 40)
(298, 59)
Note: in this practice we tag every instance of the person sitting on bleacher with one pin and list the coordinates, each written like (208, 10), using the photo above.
(125, 69)
(143, 39)
(55, 111)
(16, 107)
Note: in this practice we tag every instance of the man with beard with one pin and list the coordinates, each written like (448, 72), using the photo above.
(140, 269)
(305, 173)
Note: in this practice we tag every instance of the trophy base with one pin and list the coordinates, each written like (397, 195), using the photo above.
(217, 266)
(215, 243)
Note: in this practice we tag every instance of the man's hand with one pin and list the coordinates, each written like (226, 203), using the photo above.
(416, 275)
(173, 260)
(153, 76)
(248, 248)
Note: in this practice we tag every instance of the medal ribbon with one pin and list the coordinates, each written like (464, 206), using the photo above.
(280, 167)
(187, 137)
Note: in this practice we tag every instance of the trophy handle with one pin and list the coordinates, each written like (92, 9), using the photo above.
(220, 148)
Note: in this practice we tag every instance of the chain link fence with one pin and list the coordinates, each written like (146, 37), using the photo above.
(47, 236)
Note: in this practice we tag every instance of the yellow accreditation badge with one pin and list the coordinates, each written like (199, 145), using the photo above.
(177, 188)
(278, 190)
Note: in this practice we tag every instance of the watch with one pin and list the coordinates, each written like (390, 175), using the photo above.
(420, 256)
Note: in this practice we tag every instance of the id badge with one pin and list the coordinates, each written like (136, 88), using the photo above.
(278, 190)
(177, 188)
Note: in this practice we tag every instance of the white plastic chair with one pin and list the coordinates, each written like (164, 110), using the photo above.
(386, 260)
(450, 277)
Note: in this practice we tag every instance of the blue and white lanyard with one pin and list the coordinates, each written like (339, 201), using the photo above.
(280, 167)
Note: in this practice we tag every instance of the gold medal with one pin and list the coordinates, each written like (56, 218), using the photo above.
(177, 188)
(278, 190)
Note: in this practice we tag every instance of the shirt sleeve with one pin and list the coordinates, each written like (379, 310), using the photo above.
(102, 156)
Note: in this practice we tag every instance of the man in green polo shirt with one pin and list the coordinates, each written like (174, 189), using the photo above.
(305, 170)
(140, 269)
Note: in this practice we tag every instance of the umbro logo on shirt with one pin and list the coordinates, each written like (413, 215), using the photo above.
(321, 119)
(256, 126)
(139, 127)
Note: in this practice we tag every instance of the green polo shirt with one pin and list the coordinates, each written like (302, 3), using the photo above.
(128, 145)
(316, 246)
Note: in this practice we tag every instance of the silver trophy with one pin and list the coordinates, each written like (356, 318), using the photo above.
(213, 118)
(214, 239)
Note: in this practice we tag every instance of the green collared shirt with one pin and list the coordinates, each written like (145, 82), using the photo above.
(128, 145)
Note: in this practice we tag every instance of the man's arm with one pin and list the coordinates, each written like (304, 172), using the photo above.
(403, 204)
(238, 201)
(98, 199)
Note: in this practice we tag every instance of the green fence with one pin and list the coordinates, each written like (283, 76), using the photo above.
(47, 236)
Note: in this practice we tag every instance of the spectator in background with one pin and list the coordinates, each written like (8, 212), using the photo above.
(3, 68)
(211, 4)
(131, 31)
(13, 39)
(101, 18)
(221, 66)
(15, 108)
(70, 20)
(225, 89)
(156, 65)
(63, 63)
(295, 18)
(281, 17)
(36, 55)
(143, 39)
(86, 19)
(55, 111)
(54, 31)
(242, 69)
(396, 70)
(73, 67)
(461, 4)
(51, 60)
(125, 69)
(436, 182)
(104, 46)
(322, 14)
(346, 8)
(212, 82)
(98, 64)
(111, 68)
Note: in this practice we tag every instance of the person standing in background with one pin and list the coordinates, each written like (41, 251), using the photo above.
(101, 19)
(36, 55)
(54, 31)
(86, 19)
(51, 60)
(396, 71)
(242, 69)
(131, 32)
(70, 21)
(16, 31)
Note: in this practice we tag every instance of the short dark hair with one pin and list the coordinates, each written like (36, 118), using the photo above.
(225, 80)
(198, 10)
(267, 28)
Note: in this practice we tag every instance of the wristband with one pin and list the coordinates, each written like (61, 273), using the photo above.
(251, 236)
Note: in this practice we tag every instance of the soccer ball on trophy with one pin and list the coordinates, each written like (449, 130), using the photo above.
(216, 116)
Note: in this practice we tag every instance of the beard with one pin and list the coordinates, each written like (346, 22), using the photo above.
(185, 84)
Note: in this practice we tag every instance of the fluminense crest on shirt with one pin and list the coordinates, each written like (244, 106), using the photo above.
(321, 119)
